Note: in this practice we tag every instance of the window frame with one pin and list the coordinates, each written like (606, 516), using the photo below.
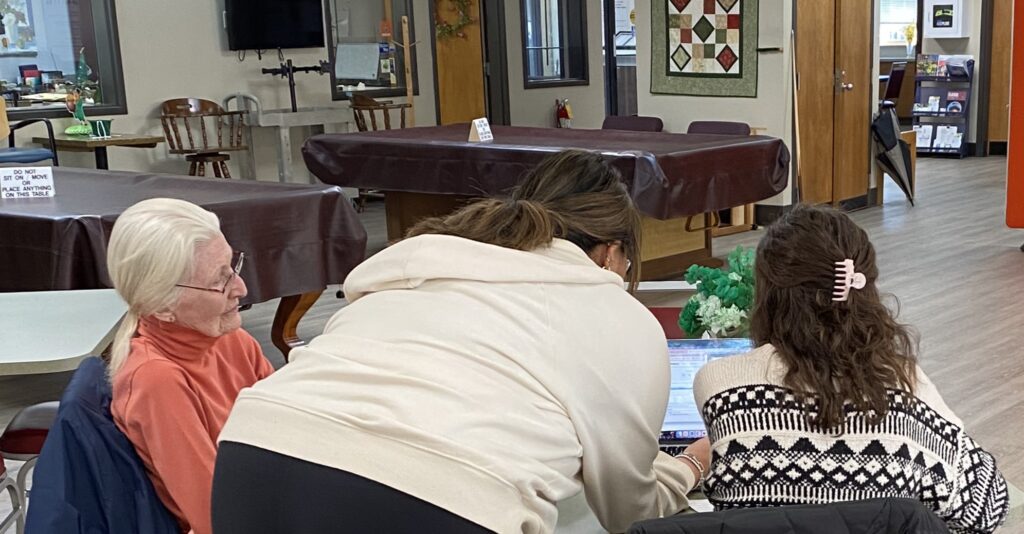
(396, 25)
(111, 47)
(572, 38)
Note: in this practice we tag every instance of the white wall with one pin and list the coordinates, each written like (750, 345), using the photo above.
(771, 109)
(536, 107)
(173, 49)
(968, 45)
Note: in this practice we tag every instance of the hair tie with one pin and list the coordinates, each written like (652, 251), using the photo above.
(847, 278)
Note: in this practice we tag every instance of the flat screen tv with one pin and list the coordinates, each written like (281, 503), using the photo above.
(269, 24)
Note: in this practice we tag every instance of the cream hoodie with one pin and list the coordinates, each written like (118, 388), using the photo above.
(488, 381)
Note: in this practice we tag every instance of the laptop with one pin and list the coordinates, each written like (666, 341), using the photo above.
(683, 422)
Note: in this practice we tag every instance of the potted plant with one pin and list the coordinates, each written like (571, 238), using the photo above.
(908, 34)
(721, 305)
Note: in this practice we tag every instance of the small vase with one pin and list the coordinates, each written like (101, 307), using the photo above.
(910, 51)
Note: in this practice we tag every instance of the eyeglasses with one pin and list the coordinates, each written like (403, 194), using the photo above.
(237, 259)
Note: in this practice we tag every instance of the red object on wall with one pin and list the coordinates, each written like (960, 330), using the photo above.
(1015, 159)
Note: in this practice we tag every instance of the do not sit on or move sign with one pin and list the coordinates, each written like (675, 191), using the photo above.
(480, 131)
(26, 182)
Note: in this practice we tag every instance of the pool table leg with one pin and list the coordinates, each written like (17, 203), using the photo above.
(286, 321)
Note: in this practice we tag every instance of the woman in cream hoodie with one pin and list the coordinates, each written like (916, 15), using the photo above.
(486, 368)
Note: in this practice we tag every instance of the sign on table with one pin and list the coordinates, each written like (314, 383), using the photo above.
(26, 182)
(480, 131)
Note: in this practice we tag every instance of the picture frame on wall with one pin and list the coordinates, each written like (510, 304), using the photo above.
(945, 19)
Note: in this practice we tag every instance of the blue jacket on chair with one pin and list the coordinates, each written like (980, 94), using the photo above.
(88, 478)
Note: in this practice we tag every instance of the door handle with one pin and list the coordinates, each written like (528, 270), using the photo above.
(848, 86)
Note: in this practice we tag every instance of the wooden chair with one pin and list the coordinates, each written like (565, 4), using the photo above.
(194, 113)
(633, 123)
(363, 106)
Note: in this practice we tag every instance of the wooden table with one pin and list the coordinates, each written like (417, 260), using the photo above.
(98, 145)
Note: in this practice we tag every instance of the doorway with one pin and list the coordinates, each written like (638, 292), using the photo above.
(834, 91)
(471, 68)
(619, 18)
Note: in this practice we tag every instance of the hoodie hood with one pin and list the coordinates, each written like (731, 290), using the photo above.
(417, 260)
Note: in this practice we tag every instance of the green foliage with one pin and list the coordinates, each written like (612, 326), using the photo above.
(723, 299)
(445, 30)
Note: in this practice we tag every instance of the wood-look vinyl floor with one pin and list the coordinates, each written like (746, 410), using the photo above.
(956, 269)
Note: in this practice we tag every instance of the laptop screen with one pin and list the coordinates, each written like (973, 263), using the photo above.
(686, 357)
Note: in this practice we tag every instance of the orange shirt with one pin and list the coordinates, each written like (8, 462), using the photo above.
(171, 399)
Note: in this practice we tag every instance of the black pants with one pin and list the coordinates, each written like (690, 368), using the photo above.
(257, 491)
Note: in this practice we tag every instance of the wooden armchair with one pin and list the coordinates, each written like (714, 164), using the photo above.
(203, 147)
(362, 106)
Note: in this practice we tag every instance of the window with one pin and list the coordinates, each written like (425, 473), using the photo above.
(362, 48)
(554, 42)
(49, 48)
(896, 15)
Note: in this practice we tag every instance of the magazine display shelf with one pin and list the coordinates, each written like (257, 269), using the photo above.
(952, 90)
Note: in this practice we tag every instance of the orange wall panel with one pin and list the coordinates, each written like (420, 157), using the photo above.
(1015, 159)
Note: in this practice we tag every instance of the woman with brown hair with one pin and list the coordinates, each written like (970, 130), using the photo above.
(832, 406)
(487, 367)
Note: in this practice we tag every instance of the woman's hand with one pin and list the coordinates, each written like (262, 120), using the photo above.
(701, 450)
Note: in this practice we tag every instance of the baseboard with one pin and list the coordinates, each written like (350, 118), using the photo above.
(765, 214)
(856, 203)
(997, 148)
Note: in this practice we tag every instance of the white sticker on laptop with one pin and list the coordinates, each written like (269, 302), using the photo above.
(26, 182)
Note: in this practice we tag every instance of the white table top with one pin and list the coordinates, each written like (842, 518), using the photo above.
(52, 331)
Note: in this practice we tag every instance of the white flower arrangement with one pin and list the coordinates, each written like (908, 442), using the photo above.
(718, 320)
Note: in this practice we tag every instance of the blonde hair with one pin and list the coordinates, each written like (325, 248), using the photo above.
(152, 248)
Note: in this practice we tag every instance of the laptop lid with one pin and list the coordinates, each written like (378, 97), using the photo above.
(683, 421)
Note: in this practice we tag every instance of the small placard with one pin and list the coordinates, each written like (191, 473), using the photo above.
(26, 182)
(480, 131)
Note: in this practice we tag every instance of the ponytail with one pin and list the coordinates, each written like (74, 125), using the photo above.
(122, 342)
(573, 195)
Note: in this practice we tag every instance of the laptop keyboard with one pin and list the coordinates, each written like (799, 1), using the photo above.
(673, 450)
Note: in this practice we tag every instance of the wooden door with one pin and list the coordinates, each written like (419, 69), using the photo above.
(999, 79)
(815, 57)
(851, 165)
(459, 66)
(833, 62)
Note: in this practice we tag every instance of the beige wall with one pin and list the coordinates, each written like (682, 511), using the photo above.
(178, 48)
(536, 107)
(771, 109)
(969, 45)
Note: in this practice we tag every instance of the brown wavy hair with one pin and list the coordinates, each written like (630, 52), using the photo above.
(835, 352)
(573, 195)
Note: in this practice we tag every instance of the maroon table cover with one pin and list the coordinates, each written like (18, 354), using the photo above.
(669, 175)
(296, 238)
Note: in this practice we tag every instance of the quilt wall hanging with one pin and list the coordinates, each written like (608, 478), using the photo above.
(704, 47)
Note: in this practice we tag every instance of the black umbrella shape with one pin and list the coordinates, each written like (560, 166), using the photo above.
(893, 152)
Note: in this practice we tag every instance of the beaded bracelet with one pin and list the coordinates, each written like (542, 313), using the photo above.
(696, 463)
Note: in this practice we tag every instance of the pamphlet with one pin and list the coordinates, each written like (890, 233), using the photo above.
(924, 135)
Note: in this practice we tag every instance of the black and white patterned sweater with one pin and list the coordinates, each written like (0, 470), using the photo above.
(764, 452)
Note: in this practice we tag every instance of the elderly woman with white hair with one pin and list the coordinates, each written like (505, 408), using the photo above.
(180, 356)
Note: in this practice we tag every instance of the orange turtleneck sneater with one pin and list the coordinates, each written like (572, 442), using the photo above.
(171, 399)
